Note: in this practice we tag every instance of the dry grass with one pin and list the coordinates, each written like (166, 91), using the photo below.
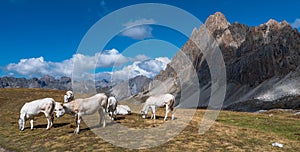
(233, 131)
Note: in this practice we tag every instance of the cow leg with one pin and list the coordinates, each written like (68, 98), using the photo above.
(153, 112)
(48, 123)
(52, 120)
(102, 116)
(49, 120)
(78, 119)
(167, 112)
(31, 124)
(112, 115)
(173, 114)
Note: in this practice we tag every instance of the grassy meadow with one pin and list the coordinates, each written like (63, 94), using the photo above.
(232, 131)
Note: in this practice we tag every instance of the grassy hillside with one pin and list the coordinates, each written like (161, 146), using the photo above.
(233, 131)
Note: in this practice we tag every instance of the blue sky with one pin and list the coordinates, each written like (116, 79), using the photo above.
(38, 36)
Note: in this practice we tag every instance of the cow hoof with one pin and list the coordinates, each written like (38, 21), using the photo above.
(76, 131)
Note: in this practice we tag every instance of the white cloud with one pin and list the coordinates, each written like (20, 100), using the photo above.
(148, 68)
(29, 66)
(138, 32)
(37, 67)
(138, 29)
(85, 66)
(140, 57)
(296, 23)
(139, 22)
(110, 58)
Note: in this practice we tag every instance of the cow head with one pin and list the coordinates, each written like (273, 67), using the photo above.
(59, 109)
(21, 124)
(143, 114)
(69, 94)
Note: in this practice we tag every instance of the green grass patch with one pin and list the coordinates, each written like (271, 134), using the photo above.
(282, 124)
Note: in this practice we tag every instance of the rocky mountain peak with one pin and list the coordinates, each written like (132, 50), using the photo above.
(216, 21)
(275, 24)
(260, 60)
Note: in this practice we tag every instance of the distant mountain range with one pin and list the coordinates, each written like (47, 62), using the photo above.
(122, 89)
(47, 82)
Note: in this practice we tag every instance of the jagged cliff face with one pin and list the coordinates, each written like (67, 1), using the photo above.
(258, 59)
(129, 88)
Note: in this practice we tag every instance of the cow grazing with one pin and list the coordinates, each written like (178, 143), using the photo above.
(34, 108)
(159, 101)
(112, 107)
(87, 106)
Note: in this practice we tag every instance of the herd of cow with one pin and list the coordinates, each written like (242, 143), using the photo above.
(98, 103)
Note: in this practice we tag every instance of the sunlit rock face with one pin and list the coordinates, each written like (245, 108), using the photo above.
(262, 63)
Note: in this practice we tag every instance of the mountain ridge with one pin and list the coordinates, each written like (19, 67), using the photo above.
(255, 57)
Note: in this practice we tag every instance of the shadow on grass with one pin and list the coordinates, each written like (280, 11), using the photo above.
(55, 125)
(156, 117)
(86, 129)
(120, 118)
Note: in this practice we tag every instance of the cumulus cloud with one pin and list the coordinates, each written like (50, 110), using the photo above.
(148, 68)
(37, 67)
(296, 23)
(110, 58)
(32, 66)
(138, 29)
(85, 66)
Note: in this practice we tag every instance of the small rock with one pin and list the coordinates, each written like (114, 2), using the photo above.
(276, 144)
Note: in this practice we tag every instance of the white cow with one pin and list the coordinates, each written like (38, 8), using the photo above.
(33, 108)
(69, 96)
(112, 107)
(159, 101)
(123, 110)
(87, 106)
